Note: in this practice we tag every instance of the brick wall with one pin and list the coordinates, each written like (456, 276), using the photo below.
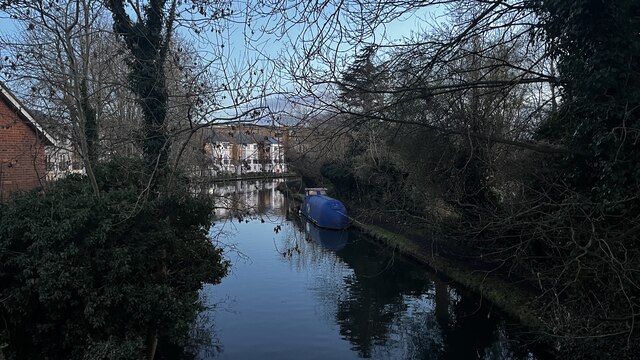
(22, 157)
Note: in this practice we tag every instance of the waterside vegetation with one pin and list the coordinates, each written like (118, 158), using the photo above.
(83, 277)
(514, 151)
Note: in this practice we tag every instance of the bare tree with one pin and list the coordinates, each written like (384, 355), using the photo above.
(54, 54)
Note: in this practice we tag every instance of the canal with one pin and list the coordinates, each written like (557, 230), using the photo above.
(299, 292)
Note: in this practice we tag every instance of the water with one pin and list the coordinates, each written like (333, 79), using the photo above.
(299, 292)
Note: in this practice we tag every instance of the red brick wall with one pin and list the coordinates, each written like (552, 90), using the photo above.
(22, 158)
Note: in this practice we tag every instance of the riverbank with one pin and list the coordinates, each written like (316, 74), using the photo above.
(515, 302)
(518, 303)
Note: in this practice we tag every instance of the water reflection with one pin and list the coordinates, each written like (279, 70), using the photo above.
(374, 298)
(390, 310)
(246, 198)
(313, 293)
(333, 240)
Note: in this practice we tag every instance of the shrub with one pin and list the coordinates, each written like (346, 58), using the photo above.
(84, 277)
(382, 183)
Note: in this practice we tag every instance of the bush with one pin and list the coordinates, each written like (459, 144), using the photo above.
(83, 277)
(340, 174)
(378, 184)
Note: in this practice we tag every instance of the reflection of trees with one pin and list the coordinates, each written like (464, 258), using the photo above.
(422, 332)
(365, 319)
(471, 329)
(386, 308)
(388, 300)
(468, 330)
(364, 301)
(201, 341)
(375, 295)
(442, 302)
(477, 332)
(264, 199)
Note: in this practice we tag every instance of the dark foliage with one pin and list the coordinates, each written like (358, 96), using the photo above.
(573, 232)
(83, 277)
(371, 185)
(341, 176)
(363, 82)
(598, 50)
(562, 223)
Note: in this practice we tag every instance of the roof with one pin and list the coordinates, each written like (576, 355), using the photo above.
(11, 100)
(231, 135)
(271, 140)
(218, 137)
(240, 138)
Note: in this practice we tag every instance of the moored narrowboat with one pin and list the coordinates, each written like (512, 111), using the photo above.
(324, 211)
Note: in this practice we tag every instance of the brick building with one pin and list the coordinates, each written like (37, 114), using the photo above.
(22, 146)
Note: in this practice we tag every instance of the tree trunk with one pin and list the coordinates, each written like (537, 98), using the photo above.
(152, 341)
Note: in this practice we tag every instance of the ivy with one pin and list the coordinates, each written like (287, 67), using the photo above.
(597, 47)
